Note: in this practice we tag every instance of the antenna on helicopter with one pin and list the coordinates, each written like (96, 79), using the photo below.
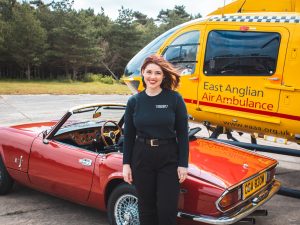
(223, 8)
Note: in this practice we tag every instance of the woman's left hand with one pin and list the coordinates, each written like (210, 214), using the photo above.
(182, 173)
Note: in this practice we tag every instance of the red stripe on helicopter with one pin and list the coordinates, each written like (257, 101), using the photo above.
(281, 115)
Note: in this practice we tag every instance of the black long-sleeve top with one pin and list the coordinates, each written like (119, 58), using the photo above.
(162, 116)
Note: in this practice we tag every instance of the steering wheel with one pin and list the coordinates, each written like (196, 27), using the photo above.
(112, 135)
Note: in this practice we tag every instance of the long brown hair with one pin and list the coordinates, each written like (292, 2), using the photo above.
(171, 75)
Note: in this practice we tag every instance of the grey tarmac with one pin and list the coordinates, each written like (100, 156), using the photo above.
(24, 206)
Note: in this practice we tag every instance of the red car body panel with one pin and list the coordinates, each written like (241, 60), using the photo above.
(223, 164)
(54, 168)
(108, 170)
(35, 127)
(201, 197)
(16, 146)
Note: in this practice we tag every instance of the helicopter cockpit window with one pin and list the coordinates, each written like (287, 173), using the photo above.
(133, 68)
(182, 52)
(232, 53)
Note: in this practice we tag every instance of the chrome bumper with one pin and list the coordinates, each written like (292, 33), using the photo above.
(242, 213)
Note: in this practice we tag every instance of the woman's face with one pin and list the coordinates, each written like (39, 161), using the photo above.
(153, 76)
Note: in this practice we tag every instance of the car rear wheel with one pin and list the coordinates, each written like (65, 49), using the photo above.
(123, 206)
(6, 182)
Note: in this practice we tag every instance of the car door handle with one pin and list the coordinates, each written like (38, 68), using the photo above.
(194, 78)
(280, 87)
(273, 78)
(86, 162)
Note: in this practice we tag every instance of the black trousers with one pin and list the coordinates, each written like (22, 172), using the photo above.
(155, 176)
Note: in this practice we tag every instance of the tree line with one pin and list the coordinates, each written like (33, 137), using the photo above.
(55, 41)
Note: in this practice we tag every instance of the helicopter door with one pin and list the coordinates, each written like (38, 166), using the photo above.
(239, 67)
(182, 50)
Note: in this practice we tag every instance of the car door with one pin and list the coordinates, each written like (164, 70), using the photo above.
(241, 64)
(183, 50)
(289, 108)
(61, 169)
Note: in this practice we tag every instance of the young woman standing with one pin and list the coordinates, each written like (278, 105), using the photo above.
(156, 143)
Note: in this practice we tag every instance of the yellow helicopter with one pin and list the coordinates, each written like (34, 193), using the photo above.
(239, 68)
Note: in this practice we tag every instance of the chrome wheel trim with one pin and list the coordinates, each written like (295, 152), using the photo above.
(126, 210)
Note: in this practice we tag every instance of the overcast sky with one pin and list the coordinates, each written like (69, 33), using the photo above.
(149, 7)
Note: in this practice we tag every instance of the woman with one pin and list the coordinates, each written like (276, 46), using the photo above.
(156, 143)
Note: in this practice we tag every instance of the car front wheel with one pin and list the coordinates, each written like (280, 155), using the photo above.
(6, 182)
(123, 206)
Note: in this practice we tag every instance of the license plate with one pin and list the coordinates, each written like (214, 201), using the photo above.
(254, 185)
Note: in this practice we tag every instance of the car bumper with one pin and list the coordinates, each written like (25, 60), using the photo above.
(242, 213)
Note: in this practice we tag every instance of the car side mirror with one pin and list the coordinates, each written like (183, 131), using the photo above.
(45, 141)
(194, 131)
(44, 134)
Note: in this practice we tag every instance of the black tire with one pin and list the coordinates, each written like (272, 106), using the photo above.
(6, 182)
(122, 206)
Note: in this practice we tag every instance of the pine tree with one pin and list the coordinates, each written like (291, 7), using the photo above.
(26, 39)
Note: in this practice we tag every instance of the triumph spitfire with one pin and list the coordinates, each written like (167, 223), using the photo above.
(79, 158)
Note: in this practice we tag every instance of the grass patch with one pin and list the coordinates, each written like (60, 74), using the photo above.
(60, 88)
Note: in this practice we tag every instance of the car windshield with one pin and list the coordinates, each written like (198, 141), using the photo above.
(94, 115)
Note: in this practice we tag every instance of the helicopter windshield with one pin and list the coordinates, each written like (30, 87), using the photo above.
(133, 68)
(134, 65)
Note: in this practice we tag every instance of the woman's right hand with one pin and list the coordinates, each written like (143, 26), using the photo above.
(127, 174)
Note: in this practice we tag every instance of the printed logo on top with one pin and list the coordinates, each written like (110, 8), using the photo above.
(161, 106)
(259, 19)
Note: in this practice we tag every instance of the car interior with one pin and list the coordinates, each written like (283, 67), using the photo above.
(103, 136)
(91, 139)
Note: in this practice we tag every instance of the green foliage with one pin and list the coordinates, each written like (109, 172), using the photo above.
(2, 36)
(63, 79)
(6, 7)
(107, 80)
(62, 5)
(124, 41)
(171, 18)
(54, 41)
(25, 39)
(90, 77)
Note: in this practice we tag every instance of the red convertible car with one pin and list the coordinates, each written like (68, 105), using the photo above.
(79, 158)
